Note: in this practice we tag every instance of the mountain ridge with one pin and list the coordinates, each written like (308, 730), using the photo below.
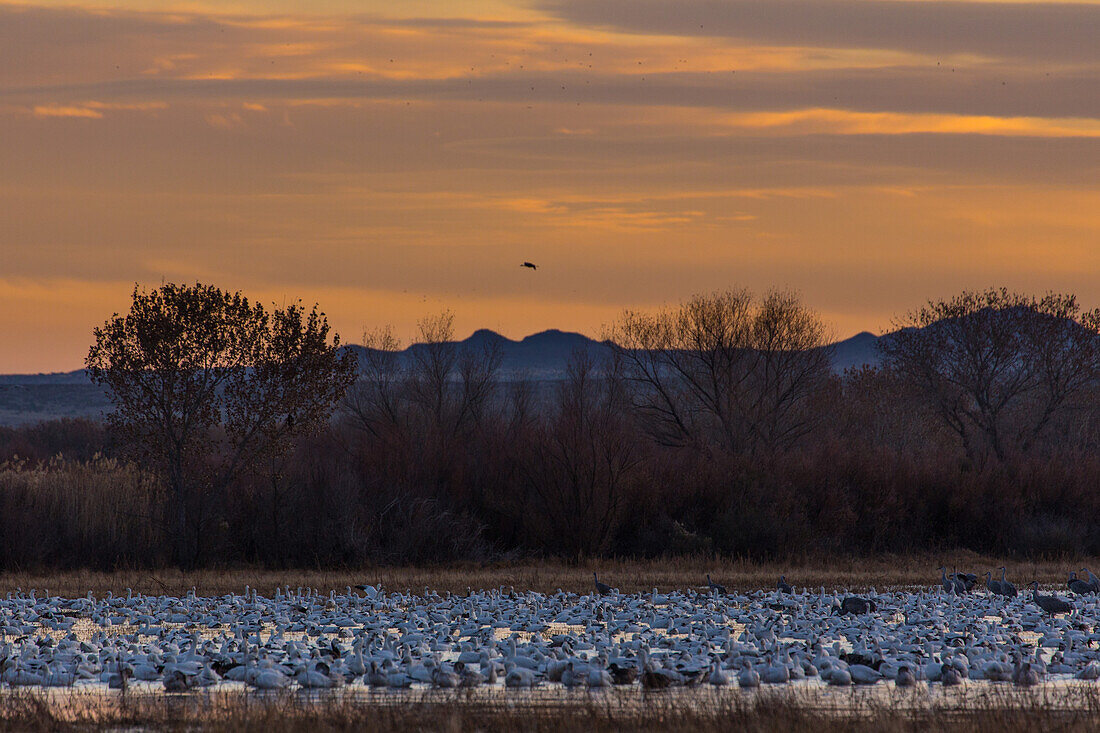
(539, 357)
(554, 347)
(542, 353)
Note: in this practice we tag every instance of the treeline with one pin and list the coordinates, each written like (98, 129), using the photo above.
(713, 427)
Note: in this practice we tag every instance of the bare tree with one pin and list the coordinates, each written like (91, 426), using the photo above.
(436, 385)
(206, 384)
(879, 409)
(419, 411)
(451, 385)
(726, 369)
(373, 402)
(997, 366)
(582, 459)
(790, 368)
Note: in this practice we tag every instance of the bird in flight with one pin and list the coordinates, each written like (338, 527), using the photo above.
(532, 265)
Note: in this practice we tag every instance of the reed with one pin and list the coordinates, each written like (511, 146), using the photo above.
(702, 710)
(61, 513)
(547, 576)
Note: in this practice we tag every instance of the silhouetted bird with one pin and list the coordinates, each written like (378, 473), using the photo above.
(532, 265)
(968, 579)
(1079, 586)
(855, 605)
(716, 587)
(1050, 604)
(601, 588)
(1007, 589)
(783, 586)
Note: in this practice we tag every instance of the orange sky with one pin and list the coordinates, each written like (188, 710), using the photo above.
(388, 160)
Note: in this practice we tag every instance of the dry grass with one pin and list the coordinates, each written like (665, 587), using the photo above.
(69, 512)
(548, 576)
(1011, 712)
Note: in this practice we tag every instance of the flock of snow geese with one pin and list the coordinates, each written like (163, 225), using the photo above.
(366, 637)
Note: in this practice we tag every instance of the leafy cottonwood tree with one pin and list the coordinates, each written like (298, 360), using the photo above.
(996, 366)
(206, 384)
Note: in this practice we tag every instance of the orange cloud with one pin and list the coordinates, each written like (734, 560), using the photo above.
(844, 122)
(61, 111)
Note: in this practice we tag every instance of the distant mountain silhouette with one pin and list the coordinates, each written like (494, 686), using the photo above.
(546, 355)
(543, 356)
(75, 377)
(855, 352)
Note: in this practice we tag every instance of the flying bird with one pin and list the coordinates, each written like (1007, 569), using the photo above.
(532, 265)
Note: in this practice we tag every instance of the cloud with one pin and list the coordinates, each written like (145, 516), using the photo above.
(978, 91)
(225, 120)
(92, 109)
(135, 57)
(1042, 31)
(59, 111)
(844, 122)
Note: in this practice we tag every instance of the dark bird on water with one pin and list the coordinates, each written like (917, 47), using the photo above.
(532, 265)
(855, 605)
(602, 588)
(622, 675)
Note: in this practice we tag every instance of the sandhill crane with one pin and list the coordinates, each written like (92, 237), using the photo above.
(856, 606)
(602, 588)
(531, 265)
(993, 585)
(964, 580)
(1093, 580)
(1050, 604)
(1007, 589)
(951, 584)
(1079, 586)
(947, 583)
(783, 586)
(717, 588)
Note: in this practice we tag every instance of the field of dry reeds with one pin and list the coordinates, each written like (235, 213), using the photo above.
(700, 710)
(629, 576)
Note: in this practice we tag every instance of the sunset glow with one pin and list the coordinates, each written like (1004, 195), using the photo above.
(390, 160)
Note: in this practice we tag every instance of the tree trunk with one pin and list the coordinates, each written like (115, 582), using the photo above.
(182, 556)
